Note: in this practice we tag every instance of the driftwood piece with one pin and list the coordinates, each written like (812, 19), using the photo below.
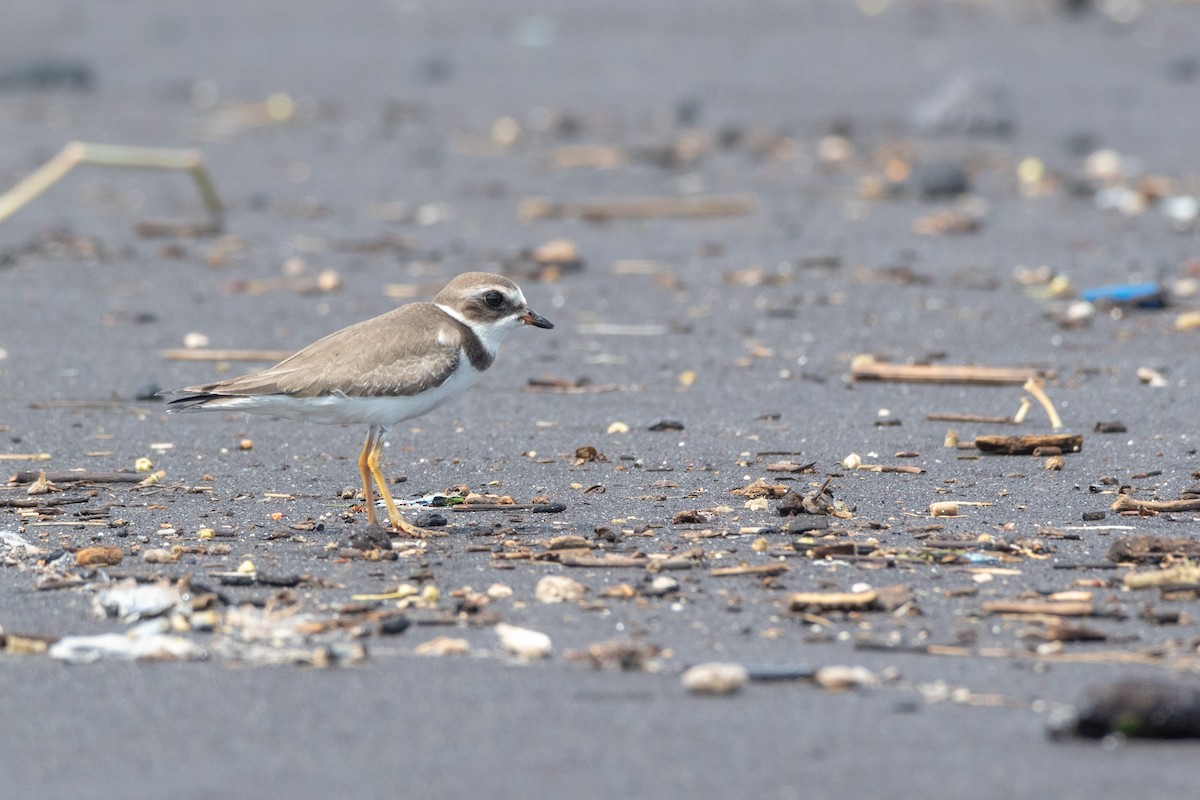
(76, 153)
(534, 208)
(1052, 608)
(27, 476)
(833, 601)
(761, 570)
(1026, 445)
(1140, 549)
(954, 416)
(866, 368)
(1126, 503)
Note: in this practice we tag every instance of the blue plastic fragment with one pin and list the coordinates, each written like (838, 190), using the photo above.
(1142, 295)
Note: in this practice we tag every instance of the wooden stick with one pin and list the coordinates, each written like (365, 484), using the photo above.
(833, 601)
(27, 476)
(1126, 503)
(745, 569)
(1035, 387)
(1024, 445)
(76, 153)
(535, 208)
(1034, 607)
(911, 469)
(866, 368)
(951, 416)
(25, 456)
(223, 354)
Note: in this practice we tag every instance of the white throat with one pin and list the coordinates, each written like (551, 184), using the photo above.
(490, 334)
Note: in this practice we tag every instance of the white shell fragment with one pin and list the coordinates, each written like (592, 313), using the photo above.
(715, 678)
(559, 589)
(125, 646)
(130, 600)
(837, 678)
(524, 643)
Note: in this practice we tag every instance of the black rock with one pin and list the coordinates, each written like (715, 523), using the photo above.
(941, 179)
(430, 519)
(373, 537)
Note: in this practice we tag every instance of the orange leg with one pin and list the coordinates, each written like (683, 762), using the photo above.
(364, 469)
(372, 452)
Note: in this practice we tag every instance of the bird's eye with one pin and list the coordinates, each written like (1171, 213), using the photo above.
(493, 299)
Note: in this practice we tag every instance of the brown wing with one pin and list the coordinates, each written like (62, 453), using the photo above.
(405, 351)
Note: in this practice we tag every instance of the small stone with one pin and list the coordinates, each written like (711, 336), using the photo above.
(246, 444)
(660, 586)
(715, 678)
(666, 425)
(618, 427)
(1094, 516)
(430, 519)
(839, 678)
(940, 179)
(99, 556)
(806, 524)
(393, 625)
(159, 555)
(372, 537)
(525, 644)
(559, 589)
(499, 591)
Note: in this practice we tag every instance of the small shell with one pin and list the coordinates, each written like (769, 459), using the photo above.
(524, 643)
(715, 678)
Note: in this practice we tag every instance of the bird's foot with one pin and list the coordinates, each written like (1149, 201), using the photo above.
(401, 527)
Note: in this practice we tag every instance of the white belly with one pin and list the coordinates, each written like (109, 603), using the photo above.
(340, 410)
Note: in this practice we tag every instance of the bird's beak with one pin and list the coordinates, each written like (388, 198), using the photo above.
(535, 319)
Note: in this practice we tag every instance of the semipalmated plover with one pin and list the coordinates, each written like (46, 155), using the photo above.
(382, 371)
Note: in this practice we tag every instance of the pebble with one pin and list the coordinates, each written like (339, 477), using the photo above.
(430, 519)
(660, 586)
(941, 179)
(715, 678)
(559, 589)
(524, 643)
(839, 678)
(159, 555)
(99, 556)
